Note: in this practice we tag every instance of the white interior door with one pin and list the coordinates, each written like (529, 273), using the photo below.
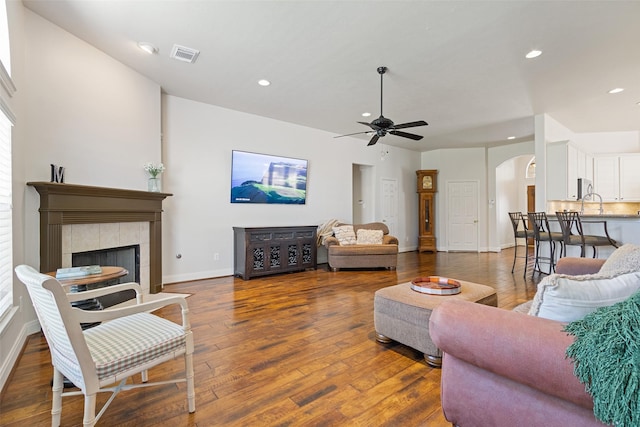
(390, 204)
(462, 226)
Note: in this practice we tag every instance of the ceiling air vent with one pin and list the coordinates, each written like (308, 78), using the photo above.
(185, 54)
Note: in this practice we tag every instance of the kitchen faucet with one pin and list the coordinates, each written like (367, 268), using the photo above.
(591, 194)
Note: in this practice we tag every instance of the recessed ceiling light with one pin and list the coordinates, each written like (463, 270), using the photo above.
(533, 54)
(616, 90)
(264, 82)
(366, 114)
(148, 47)
(511, 137)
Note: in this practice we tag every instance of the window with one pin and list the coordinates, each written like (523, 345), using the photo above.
(6, 122)
(6, 259)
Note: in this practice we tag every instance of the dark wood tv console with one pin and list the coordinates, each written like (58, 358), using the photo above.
(260, 251)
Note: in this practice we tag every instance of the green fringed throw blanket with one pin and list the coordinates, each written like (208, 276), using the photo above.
(606, 355)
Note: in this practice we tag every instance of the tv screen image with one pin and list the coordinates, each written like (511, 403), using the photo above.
(264, 178)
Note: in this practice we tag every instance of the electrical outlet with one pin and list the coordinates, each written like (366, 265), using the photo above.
(216, 256)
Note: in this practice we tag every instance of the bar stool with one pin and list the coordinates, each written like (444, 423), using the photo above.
(573, 234)
(517, 218)
(539, 223)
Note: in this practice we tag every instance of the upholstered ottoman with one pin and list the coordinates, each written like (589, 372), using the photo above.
(402, 314)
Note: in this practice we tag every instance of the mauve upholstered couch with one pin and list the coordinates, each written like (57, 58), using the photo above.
(504, 368)
(363, 256)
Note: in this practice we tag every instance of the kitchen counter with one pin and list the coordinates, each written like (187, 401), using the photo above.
(606, 216)
(624, 228)
(594, 216)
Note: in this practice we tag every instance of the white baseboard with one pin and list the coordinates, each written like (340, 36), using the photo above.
(175, 278)
(14, 353)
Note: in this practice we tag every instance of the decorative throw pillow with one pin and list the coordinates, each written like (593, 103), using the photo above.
(369, 237)
(568, 298)
(623, 260)
(345, 235)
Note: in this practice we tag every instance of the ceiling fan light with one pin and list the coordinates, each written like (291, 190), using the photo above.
(366, 114)
(533, 54)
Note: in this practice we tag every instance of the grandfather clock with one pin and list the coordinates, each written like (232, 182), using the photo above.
(427, 181)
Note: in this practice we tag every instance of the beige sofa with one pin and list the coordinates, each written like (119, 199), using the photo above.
(363, 256)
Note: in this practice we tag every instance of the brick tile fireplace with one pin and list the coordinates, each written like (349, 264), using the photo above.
(78, 218)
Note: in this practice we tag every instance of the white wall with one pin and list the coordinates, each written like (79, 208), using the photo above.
(482, 164)
(458, 165)
(89, 113)
(505, 195)
(86, 112)
(198, 219)
(609, 142)
(506, 200)
(78, 108)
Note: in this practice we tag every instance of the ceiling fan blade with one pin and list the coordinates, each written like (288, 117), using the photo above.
(373, 140)
(410, 124)
(356, 133)
(372, 126)
(406, 135)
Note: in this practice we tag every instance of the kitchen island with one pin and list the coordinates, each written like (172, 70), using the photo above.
(623, 228)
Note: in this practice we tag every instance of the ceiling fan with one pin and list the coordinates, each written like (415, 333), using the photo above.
(382, 125)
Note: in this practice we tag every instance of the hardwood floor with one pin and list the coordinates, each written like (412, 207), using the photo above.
(287, 350)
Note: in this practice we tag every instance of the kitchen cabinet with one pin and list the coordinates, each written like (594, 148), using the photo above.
(565, 164)
(606, 177)
(617, 177)
(630, 177)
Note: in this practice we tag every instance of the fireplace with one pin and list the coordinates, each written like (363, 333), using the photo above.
(127, 257)
(79, 218)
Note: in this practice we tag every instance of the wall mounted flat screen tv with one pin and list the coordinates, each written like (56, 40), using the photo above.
(264, 178)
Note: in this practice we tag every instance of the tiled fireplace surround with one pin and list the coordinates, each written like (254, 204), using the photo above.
(90, 237)
(78, 218)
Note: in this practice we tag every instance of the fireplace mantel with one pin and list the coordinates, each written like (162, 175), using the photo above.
(63, 204)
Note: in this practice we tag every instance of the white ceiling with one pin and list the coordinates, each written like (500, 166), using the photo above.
(458, 65)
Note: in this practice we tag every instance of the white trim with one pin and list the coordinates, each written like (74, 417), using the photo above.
(412, 248)
(28, 328)
(6, 81)
(6, 319)
(208, 274)
(7, 111)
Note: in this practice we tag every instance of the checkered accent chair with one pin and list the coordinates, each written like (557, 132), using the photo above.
(129, 341)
